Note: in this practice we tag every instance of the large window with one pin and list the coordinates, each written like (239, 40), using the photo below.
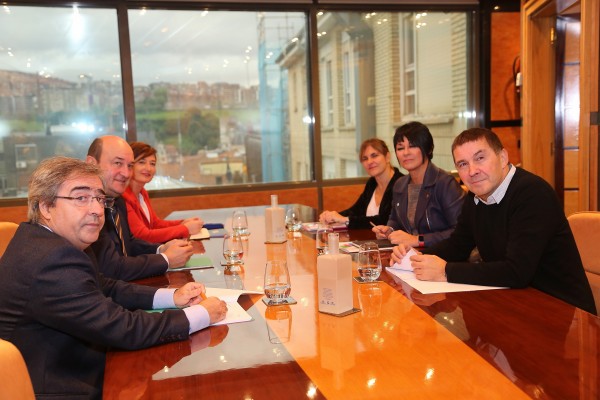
(402, 67)
(223, 95)
(213, 100)
(60, 86)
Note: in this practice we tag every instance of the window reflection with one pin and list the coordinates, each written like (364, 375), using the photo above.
(380, 70)
(227, 106)
(217, 103)
(60, 86)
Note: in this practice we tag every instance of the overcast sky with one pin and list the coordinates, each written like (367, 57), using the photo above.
(173, 46)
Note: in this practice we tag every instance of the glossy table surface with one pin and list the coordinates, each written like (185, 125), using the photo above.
(496, 344)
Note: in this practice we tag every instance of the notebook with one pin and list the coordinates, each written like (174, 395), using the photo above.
(203, 234)
(196, 261)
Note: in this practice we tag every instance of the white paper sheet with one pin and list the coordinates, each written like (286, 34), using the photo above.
(405, 264)
(427, 287)
(235, 312)
(228, 295)
(203, 234)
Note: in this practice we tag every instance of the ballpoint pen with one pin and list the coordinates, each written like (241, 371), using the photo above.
(375, 226)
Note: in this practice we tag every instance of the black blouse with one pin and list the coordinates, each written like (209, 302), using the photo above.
(357, 214)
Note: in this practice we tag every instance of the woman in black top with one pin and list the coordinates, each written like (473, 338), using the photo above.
(375, 202)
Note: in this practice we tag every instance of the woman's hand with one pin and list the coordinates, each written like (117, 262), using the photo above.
(330, 217)
(194, 225)
(382, 231)
(401, 237)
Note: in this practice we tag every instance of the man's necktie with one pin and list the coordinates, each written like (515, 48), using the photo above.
(119, 228)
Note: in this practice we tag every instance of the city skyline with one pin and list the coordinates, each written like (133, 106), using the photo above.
(79, 43)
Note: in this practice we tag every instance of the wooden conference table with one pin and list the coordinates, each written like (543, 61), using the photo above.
(495, 344)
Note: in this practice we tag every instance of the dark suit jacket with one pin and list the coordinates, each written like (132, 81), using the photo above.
(142, 260)
(62, 314)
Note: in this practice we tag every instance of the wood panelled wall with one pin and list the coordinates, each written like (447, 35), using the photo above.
(505, 101)
(334, 198)
(538, 58)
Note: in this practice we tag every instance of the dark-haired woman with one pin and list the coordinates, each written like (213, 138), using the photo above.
(427, 202)
(374, 204)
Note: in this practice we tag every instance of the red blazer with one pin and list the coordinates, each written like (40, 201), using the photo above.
(156, 230)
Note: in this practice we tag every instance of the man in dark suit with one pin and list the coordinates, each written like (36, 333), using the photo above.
(55, 306)
(120, 255)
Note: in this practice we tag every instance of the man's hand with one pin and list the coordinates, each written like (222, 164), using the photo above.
(428, 267)
(189, 294)
(178, 251)
(382, 231)
(217, 309)
(398, 253)
(401, 237)
(194, 225)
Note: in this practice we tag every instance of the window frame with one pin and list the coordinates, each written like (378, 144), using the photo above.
(311, 8)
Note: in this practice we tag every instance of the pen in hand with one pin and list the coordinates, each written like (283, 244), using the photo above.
(375, 226)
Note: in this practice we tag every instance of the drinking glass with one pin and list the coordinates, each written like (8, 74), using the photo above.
(277, 282)
(322, 238)
(233, 249)
(293, 222)
(239, 223)
(369, 262)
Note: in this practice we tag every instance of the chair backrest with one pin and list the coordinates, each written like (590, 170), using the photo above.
(7, 231)
(586, 229)
(16, 383)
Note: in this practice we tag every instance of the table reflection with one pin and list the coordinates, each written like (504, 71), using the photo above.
(279, 323)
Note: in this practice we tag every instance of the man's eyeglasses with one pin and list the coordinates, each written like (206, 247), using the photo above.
(85, 201)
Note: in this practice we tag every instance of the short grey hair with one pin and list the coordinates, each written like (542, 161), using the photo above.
(47, 178)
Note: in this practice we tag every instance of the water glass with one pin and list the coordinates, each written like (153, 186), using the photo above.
(277, 281)
(233, 249)
(239, 223)
(293, 222)
(369, 262)
(322, 238)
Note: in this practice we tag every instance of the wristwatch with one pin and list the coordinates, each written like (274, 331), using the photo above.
(421, 241)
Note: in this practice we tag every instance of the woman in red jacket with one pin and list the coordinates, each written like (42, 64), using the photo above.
(143, 222)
